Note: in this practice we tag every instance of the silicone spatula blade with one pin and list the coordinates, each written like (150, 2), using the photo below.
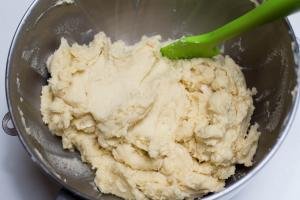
(206, 45)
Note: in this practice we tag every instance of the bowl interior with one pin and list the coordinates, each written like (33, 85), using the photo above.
(265, 54)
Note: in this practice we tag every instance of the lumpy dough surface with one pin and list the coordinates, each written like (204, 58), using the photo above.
(151, 128)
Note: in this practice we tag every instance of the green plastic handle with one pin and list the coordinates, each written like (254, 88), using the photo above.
(269, 11)
(206, 45)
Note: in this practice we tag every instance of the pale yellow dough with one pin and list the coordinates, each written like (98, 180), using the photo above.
(151, 128)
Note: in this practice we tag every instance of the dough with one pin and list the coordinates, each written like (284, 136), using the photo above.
(151, 128)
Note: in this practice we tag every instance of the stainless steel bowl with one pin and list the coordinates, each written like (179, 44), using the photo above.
(267, 54)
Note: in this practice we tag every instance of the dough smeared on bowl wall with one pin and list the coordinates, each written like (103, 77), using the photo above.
(151, 128)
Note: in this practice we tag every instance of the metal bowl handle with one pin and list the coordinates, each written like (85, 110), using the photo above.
(5, 125)
(298, 41)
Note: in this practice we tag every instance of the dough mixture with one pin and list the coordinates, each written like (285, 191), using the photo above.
(151, 128)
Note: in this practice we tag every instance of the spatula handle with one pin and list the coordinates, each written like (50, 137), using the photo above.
(268, 11)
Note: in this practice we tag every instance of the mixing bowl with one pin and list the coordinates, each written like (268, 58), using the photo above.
(268, 56)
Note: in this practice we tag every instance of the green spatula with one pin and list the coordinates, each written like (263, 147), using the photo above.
(206, 45)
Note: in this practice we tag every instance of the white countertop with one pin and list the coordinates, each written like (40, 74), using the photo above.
(22, 179)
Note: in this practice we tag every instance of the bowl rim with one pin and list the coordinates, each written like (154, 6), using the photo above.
(234, 187)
